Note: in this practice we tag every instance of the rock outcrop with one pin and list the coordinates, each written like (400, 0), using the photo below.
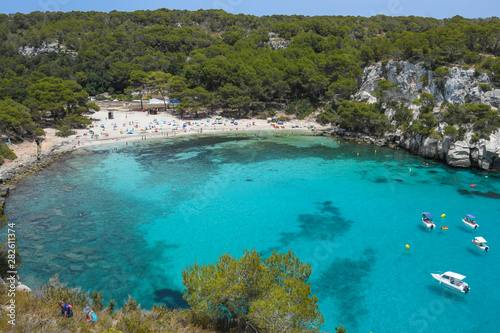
(31, 51)
(276, 42)
(458, 87)
(459, 155)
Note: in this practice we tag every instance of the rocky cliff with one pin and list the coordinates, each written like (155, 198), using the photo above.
(458, 87)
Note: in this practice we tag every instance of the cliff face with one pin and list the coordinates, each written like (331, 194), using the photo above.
(458, 87)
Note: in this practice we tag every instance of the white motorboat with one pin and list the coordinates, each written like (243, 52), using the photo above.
(470, 221)
(480, 242)
(427, 220)
(453, 281)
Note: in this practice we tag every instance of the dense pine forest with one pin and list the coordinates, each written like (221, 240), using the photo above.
(210, 60)
(52, 62)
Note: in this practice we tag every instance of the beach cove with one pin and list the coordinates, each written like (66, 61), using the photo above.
(154, 207)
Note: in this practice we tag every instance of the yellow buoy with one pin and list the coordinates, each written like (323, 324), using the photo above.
(407, 246)
(443, 215)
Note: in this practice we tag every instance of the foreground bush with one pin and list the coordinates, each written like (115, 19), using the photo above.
(249, 294)
(39, 312)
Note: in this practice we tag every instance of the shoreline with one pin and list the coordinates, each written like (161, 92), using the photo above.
(142, 125)
(32, 159)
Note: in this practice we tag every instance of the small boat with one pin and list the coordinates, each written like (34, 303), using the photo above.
(470, 221)
(453, 281)
(427, 220)
(480, 242)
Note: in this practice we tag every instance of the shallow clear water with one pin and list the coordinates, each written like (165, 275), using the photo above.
(349, 216)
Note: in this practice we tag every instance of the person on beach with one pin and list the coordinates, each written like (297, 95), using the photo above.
(66, 309)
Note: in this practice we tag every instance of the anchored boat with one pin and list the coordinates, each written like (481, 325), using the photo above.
(470, 221)
(427, 220)
(452, 281)
(480, 242)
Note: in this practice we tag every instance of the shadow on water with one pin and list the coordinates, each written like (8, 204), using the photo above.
(345, 278)
(171, 298)
(326, 224)
(447, 294)
(465, 229)
(489, 194)
(424, 228)
(475, 252)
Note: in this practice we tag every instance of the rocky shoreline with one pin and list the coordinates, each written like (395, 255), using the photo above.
(458, 86)
(461, 154)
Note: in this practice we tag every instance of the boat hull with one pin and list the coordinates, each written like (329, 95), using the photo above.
(463, 288)
(470, 225)
(484, 248)
(430, 225)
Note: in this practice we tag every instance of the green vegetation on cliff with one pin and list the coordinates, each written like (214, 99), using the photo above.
(210, 59)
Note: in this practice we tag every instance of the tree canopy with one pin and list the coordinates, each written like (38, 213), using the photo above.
(269, 296)
(239, 63)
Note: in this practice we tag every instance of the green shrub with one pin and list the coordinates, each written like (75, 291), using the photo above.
(451, 131)
(55, 291)
(97, 300)
(441, 72)
(402, 115)
(301, 108)
(425, 79)
(65, 131)
(235, 293)
(435, 135)
(362, 117)
(5, 152)
(328, 116)
(485, 87)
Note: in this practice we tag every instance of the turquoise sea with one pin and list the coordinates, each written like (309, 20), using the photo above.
(154, 207)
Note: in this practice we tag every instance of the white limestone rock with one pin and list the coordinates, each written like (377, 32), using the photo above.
(459, 155)
(366, 97)
(488, 152)
(22, 287)
(492, 97)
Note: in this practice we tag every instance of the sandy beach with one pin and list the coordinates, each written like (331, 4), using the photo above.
(130, 126)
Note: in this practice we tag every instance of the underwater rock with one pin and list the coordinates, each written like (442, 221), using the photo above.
(84, 250)
(73, 257)
(76, 268)
(35, 218)
(55, 228)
